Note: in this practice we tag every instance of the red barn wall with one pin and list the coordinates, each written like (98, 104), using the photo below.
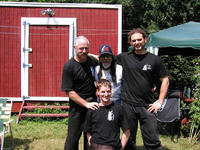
(99, 25)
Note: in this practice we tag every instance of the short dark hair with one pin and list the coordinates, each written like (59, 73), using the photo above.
(103, 82)
(137, 30)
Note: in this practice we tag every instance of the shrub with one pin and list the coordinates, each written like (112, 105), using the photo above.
(195, 106)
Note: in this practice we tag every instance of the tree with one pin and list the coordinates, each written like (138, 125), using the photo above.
(167, 13)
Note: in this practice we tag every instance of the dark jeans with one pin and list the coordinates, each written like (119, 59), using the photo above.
(148, 126)
(75, 127)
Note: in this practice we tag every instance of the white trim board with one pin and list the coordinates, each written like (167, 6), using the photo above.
(70, 5)
(20, 99)
(25, 23)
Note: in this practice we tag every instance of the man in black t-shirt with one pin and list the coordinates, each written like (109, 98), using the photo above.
(78, 83)
(103, 125)
(141, 70)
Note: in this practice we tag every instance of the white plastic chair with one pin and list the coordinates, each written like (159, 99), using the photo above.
(5, 121)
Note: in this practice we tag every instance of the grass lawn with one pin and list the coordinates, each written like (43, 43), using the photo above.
(51, 135)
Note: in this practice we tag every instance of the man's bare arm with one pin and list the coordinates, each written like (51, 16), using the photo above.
(163, 89)
(89, 138)
(125, 137)
(95, 56)
(163, 92)
(82, 102)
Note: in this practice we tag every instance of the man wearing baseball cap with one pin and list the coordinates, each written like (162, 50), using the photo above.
(108, 69)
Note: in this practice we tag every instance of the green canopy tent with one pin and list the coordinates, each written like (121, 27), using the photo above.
(182, 39)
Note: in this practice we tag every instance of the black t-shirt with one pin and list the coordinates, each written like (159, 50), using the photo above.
(78, 77)
(140, 73)
(104, 124)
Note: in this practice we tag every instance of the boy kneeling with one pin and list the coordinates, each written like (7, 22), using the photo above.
(103, 125)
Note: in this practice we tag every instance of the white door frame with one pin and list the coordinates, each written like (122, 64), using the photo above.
(25, 23)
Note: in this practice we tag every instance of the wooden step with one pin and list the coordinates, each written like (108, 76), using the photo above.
(43, 107)
(44, 115)
(30, 107)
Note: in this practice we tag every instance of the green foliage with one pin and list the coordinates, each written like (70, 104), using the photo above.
(184, 71)
(167, 13)
(75, 1)
(104, 1)
(195, 106)
(181, 71)
(194, 133)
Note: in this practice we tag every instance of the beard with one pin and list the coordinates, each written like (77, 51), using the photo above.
(82, 57)
(106, 65)
(140, 48)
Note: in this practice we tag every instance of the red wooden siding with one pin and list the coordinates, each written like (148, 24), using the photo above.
(10, 56)
(50, 46)
(50, 51)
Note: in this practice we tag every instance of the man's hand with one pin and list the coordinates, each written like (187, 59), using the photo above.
(92, 105)
(155, 107)
(82, 102)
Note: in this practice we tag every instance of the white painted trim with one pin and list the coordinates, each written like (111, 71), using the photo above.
(49, 21)
(67, 5)
(73, 35)
(14, 99)
(24, 57)
(25, 23)
(20, 99)
(47, 98)
(119, 30)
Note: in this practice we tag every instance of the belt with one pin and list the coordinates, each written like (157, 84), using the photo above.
(95, 146)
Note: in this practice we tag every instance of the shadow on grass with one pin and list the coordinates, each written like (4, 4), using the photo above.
(142, 148)
(164, 148)
(139, 148)
(171, 129)
(18, 143)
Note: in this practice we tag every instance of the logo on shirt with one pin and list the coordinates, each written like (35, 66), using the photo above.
(146, 67)
(110, 116)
